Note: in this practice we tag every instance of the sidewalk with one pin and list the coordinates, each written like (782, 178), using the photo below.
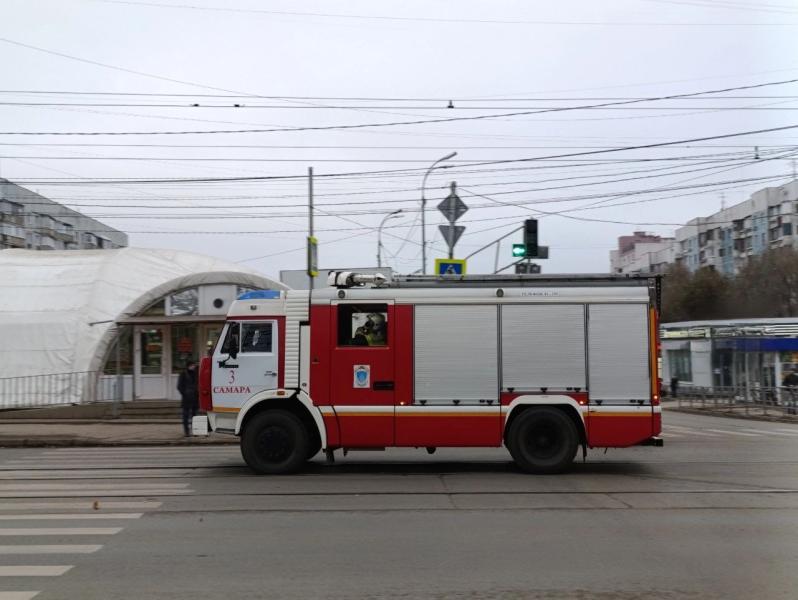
(756, 412)
(59, 433)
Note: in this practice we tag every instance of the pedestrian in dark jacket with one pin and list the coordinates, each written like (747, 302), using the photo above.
(189, 394)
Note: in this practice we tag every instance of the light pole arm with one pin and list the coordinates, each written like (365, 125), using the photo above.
(424, 211)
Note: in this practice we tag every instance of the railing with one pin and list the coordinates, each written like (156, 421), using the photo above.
(742, 400)
(57, 388)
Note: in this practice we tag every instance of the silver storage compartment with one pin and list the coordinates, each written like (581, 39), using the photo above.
(456, 354)
(618, 353)
(543, 346)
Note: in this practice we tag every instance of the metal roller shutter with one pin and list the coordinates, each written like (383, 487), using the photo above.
(456, 353)
(618, 352)
(543, 346)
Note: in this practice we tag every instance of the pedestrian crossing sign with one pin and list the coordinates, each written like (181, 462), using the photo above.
(450, 266)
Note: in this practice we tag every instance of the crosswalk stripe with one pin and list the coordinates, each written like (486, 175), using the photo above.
(64, 474)
(34, 570)
(110, 504)
(688, 431)
(728, 432)
(128, 493)
(69, 517)
(793, 431)
(51, 549)
(60, 531)
(87, 486)
(18, 595)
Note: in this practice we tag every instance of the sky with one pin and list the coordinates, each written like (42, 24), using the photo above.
(205, 117)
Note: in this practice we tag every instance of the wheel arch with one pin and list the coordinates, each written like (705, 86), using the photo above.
(566, 404)
(295, 402)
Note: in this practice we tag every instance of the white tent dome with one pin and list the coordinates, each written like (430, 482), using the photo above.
(58, 308)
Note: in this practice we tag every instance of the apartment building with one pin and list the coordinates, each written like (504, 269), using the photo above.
(642, 253)
(726, 239)
(29, 220)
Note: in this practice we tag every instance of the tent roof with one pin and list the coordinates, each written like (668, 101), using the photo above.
(58, 308)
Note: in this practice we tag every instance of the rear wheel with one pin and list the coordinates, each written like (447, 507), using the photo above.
(275, 442)
(543, 440)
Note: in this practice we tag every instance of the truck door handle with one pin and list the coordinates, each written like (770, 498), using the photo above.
(271, 373)
(383, 386)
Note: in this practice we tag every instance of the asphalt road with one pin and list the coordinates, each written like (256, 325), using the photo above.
(711, 515)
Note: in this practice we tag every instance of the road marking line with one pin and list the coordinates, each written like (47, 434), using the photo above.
(728, 432)
(61, 531)
(7, 487)
(688, 431)
(34, 570)
(69, 517)
(766, 432)
(792, 431)
(18, 595)
(110, 504)
(51, 549)
(92, 493)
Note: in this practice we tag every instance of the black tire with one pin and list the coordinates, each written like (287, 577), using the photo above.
(275, 442)
(543, 440)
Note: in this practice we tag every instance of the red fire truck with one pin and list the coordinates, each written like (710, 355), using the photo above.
(541, 364)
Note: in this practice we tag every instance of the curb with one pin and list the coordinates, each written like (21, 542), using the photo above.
(90, 422)
(56, 442)
(728, 415)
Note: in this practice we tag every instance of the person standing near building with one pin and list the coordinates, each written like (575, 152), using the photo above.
(189, 394)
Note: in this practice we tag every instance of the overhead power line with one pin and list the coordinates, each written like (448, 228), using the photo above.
(391, 171)
(400, 123)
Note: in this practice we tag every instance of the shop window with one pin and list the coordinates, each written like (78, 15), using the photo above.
(362, 324)
(679, 361)
(184, 346)
(125, 341)
(256, 337)
(151, 351)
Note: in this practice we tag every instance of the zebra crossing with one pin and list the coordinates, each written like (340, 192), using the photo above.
(58, 507)
(717, 433)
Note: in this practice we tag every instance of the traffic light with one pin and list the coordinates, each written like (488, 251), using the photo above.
(519, 250)
(530, 238)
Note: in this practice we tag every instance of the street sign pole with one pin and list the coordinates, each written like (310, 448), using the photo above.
(452, 208)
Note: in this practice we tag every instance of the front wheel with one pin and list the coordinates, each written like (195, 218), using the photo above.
(275, 442)
(543, 440)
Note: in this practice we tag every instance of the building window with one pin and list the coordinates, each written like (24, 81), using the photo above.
(362, 324)
(679, 361)
(184, 302)
(125, 341)
(151, 351)
(184, 346)
(786, 229)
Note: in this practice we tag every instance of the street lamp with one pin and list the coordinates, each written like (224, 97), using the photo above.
(423, 211)
(392, 215)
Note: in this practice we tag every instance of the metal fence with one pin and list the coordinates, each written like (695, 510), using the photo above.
(754, 400)
(57, 388)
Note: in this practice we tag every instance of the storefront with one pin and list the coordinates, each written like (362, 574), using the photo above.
(82, 326)
(156, 345)
(742, 353)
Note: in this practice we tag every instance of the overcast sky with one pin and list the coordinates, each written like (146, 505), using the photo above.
(306, 64)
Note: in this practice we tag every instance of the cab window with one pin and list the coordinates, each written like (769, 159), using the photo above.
(256, 337)
(231, 338)
(362, 324)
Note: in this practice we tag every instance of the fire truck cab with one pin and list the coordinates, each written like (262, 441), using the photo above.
(540, 364)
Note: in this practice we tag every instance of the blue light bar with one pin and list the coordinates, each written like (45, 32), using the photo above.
(260, 295)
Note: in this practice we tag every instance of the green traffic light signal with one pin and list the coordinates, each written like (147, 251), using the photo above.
(519, 250)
